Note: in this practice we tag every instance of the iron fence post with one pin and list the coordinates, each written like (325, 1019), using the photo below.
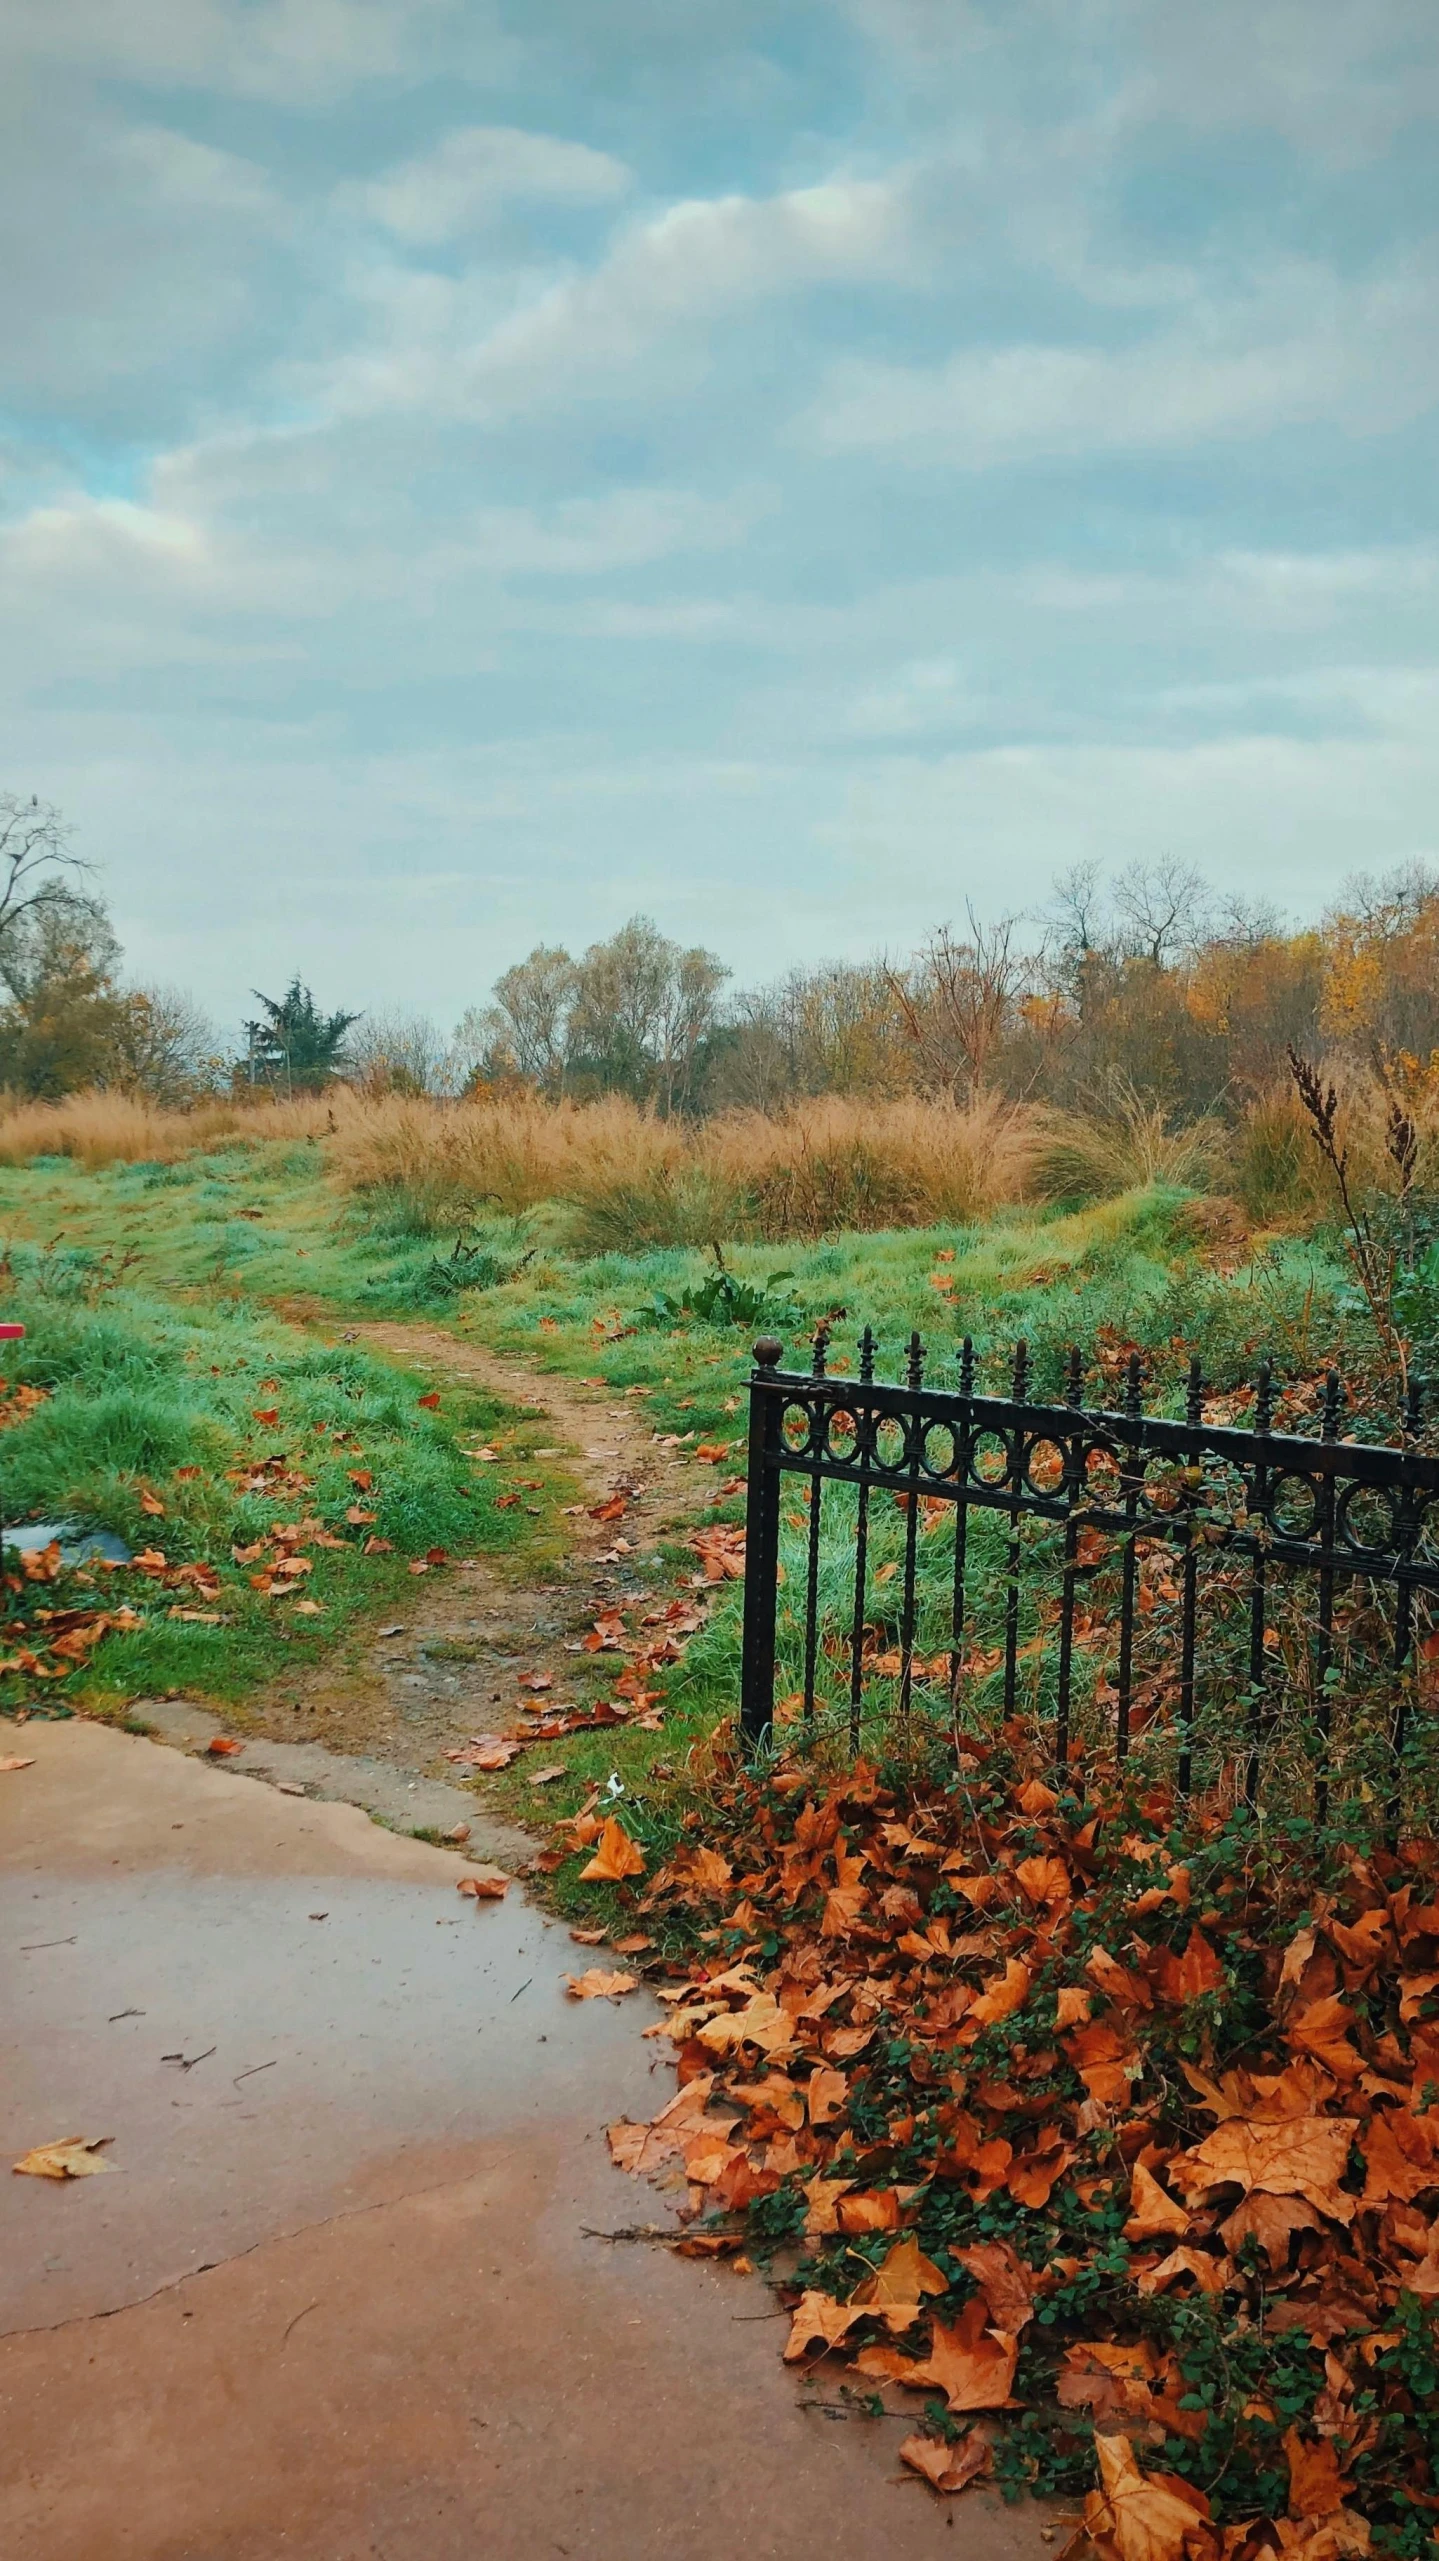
(761, 1574)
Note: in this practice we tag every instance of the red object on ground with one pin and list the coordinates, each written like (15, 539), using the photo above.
(12, 1333)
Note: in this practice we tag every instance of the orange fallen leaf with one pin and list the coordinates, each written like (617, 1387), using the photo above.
(972, 2364)
(947, 2467)
(616, 1857)
(431, 1400)
(1130, 2518)
(15, 1761)
(152, 1504)
(1004, 2280)
(75, 2156)
(596, 1985)
(267, 1414)
(1152, 2212)
(491, 1886)
(1299, 2156)
(1316, 2485)
(222, 1748)
(898, 2285)
(819, 2318)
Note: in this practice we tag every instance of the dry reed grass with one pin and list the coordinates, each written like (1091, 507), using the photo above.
(629, 1180)
(122, 1129)
(632, 1180)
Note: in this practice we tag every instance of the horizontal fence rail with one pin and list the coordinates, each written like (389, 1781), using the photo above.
(1184, 1577)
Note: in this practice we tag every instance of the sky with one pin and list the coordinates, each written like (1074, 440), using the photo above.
(472, 470)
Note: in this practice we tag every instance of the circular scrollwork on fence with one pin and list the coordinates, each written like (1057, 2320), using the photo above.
(891, 1447)
(797, 1429)
(1045, 1466)
(1293, 1506)
(991, 1459)
(841, 1435)
(1103, 1480)
(1162, 1486)
(1367, 1520)
(939, 1450)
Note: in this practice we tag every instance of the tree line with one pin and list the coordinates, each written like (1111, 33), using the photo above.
(1138, 983)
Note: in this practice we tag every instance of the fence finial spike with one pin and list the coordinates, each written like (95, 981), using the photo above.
(916, 1361)
(1021, 1371)
(767, 1351)
(1413, 1409)
(1264, 1397)
(821, 1346)
(866, 1355)
(966, 1366)
(1332, 1407)
(1194, 1394)
(1134, 1388)
(1074, 1380)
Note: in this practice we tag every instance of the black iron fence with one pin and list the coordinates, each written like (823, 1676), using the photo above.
(1200, 1580)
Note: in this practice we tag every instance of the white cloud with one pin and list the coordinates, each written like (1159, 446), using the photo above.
(651, 302)
(278, 50)
(1301, 346)
(478, 169)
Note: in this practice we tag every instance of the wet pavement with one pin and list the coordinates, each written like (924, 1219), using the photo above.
(344, 2298)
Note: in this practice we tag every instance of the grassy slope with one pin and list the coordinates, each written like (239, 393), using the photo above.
(143, 1291)
(167, 1371)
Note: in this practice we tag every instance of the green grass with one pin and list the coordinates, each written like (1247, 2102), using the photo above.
(154, 1398)
(152, 1294)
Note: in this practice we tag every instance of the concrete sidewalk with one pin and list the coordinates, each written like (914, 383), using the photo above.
(340, 2301)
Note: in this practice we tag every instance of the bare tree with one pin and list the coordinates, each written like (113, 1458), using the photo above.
(958, 1001)
(35, 851)
(1163, 909)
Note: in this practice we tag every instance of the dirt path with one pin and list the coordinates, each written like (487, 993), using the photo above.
(450, 1670)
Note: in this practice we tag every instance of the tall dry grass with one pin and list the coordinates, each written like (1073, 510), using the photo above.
(631, 1180)
(121, 1129)
(842, 1162)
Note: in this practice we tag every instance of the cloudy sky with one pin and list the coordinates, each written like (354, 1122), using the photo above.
(472, 469)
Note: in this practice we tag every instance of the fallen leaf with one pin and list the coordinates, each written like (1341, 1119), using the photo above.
(948, 2467)
(1151, 2211)
(15, 1761)
(818, 2318)
(430, 1401)
(1129, 2518)
(1003, 2279)
(490, 1887)
(599, 1986)
(221, 1747)
(1303, 2156)
(616, 1857)
(1316, 2485)
(547, 1776)
(972, 2364)
(75, 2156)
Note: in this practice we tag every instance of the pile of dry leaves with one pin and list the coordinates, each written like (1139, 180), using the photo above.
(1116, 2139)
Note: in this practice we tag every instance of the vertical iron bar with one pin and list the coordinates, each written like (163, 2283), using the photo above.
(863, 1426)
(1072, 1487)
(1020, 1393)
(1194, 1416)
(961, 1520)
(1258, 1501)
(766, 1410)
(816, 1498)
(911, 1534)
(1133, 1414)
(1411, 1421)
(1324, 1653)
